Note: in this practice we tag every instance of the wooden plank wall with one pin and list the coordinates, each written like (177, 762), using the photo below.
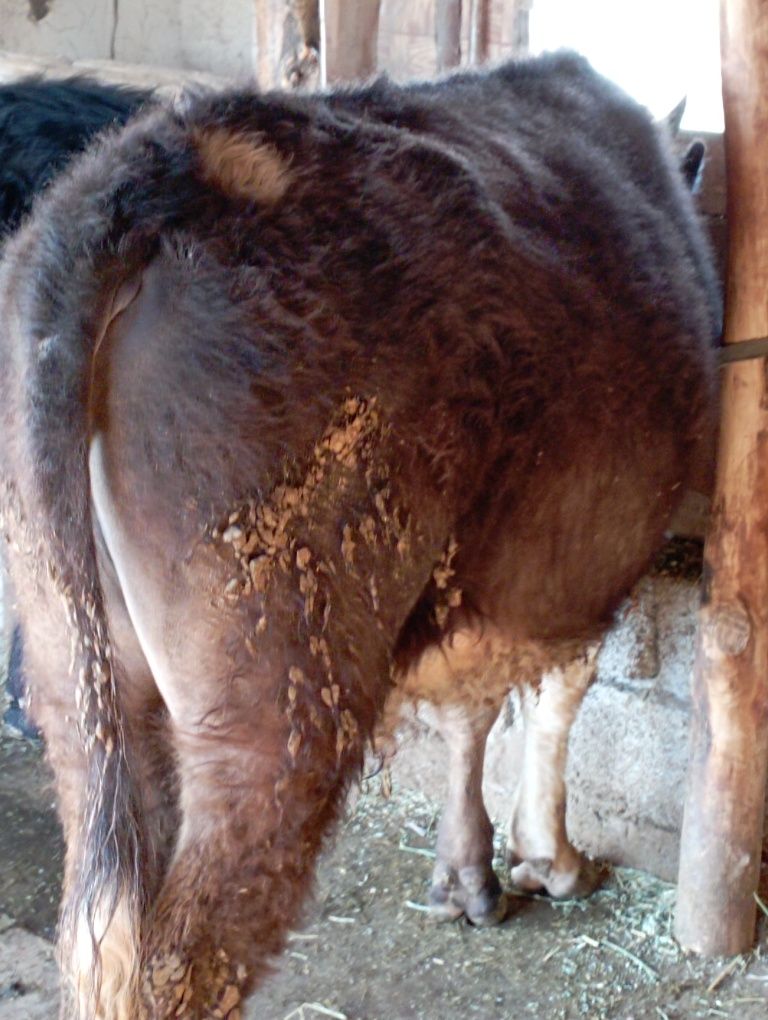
(407, 34)
(407, 45)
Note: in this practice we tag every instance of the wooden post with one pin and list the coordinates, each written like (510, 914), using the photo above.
(269, 18)
(300, 53)
(287, 36)
(448, 33)
(722, 828)
(349, 30)
(479, 31)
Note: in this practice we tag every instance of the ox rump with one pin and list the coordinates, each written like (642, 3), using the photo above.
(312, 404)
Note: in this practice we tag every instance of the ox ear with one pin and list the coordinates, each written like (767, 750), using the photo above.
(692, 165)
(674, 118)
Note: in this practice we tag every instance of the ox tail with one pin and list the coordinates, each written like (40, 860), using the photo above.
(104, 896)
(56, 289)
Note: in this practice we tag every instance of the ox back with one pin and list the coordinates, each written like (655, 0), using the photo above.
(295, 388)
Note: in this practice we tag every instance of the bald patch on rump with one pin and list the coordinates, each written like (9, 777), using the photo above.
(242, 165)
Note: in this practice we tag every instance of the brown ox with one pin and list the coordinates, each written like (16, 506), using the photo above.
(310, 399)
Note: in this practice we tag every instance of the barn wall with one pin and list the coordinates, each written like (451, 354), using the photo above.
(221, 38)
(211, 36)
(68, 28)
(199, 35)
(407, 35)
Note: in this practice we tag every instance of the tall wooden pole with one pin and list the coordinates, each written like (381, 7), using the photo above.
(269, 17)
(448, 33)
(349, 31)
(479, 31)
(722, 829)
(287, 43)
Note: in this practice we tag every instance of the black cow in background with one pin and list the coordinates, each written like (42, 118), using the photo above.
(42, 125)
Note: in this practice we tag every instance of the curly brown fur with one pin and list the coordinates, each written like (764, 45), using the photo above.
(471, 335)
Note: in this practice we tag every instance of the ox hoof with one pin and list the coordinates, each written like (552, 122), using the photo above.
(574, 880)
(474, 892)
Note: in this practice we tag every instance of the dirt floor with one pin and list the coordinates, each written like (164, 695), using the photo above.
(369, 951)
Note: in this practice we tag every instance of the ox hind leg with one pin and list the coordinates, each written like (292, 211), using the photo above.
(463, 879)
(460, 686)
(260, 782)
(269, 716)
(466, 680)
(273, 666)
(539, 853)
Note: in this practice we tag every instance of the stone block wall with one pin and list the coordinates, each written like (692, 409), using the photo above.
(190, 34)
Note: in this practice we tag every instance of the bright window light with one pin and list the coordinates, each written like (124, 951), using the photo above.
(657, 50)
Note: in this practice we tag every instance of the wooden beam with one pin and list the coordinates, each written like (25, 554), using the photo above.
(300, 50)
(349, 31)
(269, 25)
(287, 43)
(722, 829)
(479, 31)
(448, 33)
